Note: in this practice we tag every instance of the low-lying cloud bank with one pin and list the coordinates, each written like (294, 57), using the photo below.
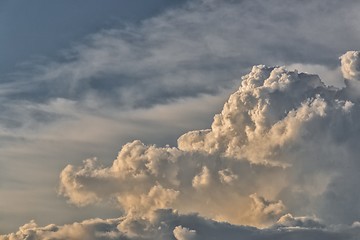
(284, 145)
(168, 224)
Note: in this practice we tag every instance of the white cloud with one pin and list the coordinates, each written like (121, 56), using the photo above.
(350, 65)
(267, 140)
(35, 156)
(181, 233)
(282, 147)
(289, 221)
(330, 76)
(281, 135)
(202, 179)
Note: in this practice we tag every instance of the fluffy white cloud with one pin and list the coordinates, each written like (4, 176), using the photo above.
(90, 229)
(182, 233)
(197, 48)
(350, 68)
(284, 145)
(283, 135)
(350, 65)
(288, 221)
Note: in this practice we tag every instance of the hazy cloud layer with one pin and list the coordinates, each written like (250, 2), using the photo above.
(197, 48)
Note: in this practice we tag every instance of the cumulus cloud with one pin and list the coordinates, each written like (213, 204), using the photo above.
(90, 229)
(145, 178)
(283, 146)
(168, 224)
(289, 221)
(350, 68)
(282, 143)
(199, 48)
(181, 233)
(350, 65)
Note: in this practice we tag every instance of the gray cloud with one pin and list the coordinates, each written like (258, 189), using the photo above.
(198, 48)
(168, 224)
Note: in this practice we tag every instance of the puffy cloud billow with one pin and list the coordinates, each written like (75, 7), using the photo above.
(168, 224)
(282, 157)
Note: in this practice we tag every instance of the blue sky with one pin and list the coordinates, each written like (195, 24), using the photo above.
(79, 79)
(36, 29)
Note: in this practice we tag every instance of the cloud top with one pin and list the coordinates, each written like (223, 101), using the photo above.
(350, 65)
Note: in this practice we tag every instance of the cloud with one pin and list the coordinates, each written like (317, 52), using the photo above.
(90, 229)
(350, 69)
(268, 139)
(177, 54)
(350, 65)
(144, 178)
(283, 146)
(32, 157)
(283, 143)
(329, 75)
(288, 221)
(168, 224)
(181, 233)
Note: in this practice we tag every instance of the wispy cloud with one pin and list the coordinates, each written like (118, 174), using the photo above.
(198, 48)
(99, 93)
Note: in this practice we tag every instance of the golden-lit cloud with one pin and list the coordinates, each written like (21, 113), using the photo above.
(268, 145)
(281, 155)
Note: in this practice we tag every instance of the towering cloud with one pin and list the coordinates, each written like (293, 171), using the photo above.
(285, 145)
(350, 65)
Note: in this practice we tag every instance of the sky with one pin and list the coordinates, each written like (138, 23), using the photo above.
(196, 119)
